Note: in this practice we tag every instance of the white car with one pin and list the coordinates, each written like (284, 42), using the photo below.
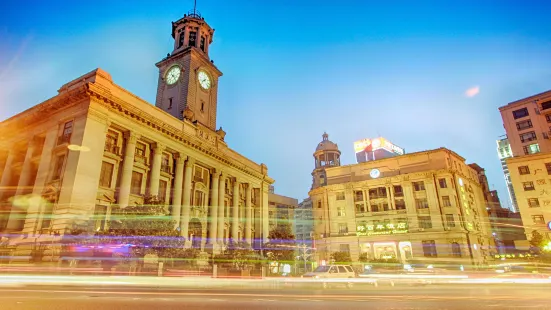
(336, 272)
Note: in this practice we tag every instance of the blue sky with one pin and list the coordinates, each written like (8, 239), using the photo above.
(294, 69)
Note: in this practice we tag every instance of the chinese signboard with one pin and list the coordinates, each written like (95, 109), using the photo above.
(382, 229)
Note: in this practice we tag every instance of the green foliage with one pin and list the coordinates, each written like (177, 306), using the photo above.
(341, 258)
(282, 245)
(537, 240)
(238, 255)
(363, 257)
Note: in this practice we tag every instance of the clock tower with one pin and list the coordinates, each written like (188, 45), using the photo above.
(188, 79)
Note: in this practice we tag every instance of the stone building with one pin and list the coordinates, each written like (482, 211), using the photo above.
(95, 146)
(419, 206)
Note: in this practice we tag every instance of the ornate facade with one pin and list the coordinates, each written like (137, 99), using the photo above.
(95, 146)
(419, 206)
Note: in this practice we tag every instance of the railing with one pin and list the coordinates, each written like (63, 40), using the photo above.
(112, 148)
(194, 14)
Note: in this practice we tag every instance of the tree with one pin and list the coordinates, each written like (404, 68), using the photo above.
(282, 245)
(341, 257)
(238, 255)
(536, 241)
(363, 257)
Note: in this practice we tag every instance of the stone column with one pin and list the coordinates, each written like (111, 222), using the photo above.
(249, 214)
(6, 174)
(265, 213)
(127, 167)
(156, 170)
(184, 221)
(16, 217)
(235, 212)
(221, 196)
(178, 180)
(213, 218)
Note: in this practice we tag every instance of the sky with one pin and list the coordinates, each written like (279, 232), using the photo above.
(423, 74)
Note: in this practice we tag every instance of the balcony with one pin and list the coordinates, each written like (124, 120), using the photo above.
(63, 139)
(112, 148)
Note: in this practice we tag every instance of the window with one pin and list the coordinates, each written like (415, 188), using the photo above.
(136, 183)
(398, 191)
(202, 106)
(400, 204)
(170, 103)
(424, 222)
(533, 202)
(68, 129)
(106, 174)
(343, 248)
(531, 149)
(528, 136)
(538, 219)
(442, 183)
(375, 208)
(358, 196)
(456, 249)
(548, 167)
(202, 46)
(58, 168)
(341, 211)
(162, 190)
(192, 38)
(446, 202)
(360, 208)
(140, 149)
(524, 124)
(520, 113)
(340, 196)
(523, 170)
(181, 38)
(528, 186)
(165, 163)
(379, 192)
(546, 105)
(386, 207)
(199, 197)
(341, 268)
(319, 204)
(421, 203)
(343, 228)
(429, 248)
(450, 221)
(111, 141)
(418, 186)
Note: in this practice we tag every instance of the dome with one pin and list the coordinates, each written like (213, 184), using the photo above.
(326, 145)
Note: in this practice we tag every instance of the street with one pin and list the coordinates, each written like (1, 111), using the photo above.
(498, 296)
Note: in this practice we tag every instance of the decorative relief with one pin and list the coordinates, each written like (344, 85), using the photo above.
(203, 134)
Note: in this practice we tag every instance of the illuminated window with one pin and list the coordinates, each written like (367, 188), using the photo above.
(424, 222)
(450, 221)
(442, 183)
(418, 186)
(106, 174)
(341, 211)
(533, 202)
(523, 170)
(446, 202)
(528, 136)
(343, 228)
(531, 149)
(340, 196)
(421, 203)
(136, 183)
(538, 219)
(528, 186)
(429, 248)
(524, 124)
(520, 113)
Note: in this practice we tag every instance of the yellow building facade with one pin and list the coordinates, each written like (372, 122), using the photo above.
(95, 146)
(414, 207)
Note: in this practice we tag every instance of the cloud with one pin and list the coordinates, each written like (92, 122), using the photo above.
(473, 91)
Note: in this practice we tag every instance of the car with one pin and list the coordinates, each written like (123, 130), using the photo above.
(324, 273)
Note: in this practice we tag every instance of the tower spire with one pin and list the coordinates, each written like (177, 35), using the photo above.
(194, 7)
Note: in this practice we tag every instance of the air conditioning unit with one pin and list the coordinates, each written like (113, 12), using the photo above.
(421, 229)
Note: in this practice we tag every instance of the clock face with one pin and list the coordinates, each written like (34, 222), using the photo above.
(204, 79)
(375, 173)
(173, 75)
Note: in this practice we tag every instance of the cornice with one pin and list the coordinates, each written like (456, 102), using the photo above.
(116, 105)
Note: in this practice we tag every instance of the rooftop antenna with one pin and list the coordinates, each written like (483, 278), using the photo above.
(194, 6)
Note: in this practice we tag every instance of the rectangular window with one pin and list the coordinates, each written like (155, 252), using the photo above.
(199, 201)
(358, 196)
(421, 203)
(341, 211)
(58, 168)
(181, 38)
(136, 183)
(548, 167)
(360, 208)
(533, 202)
(375, 208)
(520, 113)
(140, 149)
(192, 38)
(379, 192)
(546, 105)
(418, 186)
(165, 163)
(202, 46)
(528, 186)
(386, 207)
(528, 136)
(429, 248)
(170, 103)
(531, 149)
(523, 170)
(68, 128)
(319, 204)
(400, 204)
(111, 140)
(340, 196)
(398, 191)
(106, 174)
(450, 221)
(162, 190)
(343, 228)
(538, 219)
(424, 221)
(442, 183)
(524, 124)
(446, 202)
